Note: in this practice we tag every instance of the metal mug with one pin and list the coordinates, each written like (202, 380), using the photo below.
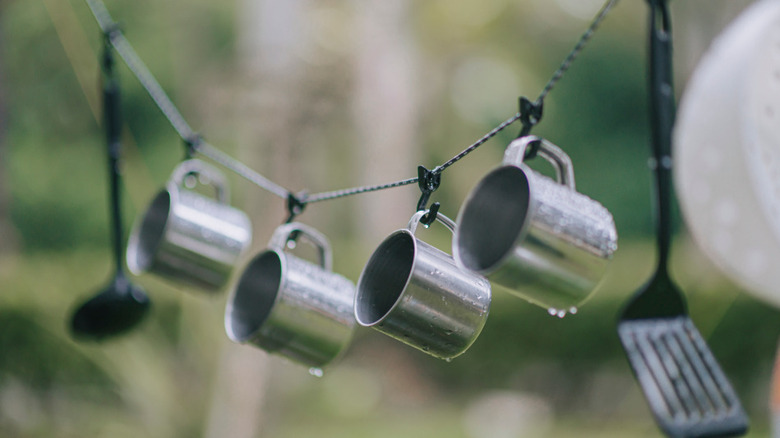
(416, 293)
(537, 237)
(189, 237)
(290, 306)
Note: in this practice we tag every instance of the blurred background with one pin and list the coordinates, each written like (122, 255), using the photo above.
(322, 95)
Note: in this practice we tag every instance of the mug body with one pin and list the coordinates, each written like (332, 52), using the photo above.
(291, 307)
(535, 236)
(190, 238)
(415, 293)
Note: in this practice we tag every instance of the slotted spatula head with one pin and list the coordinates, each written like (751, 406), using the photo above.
(685, 387)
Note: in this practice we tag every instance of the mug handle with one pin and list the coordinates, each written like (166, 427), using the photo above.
(415, 220)
(286, 232)
(564, 170)
(198, 167)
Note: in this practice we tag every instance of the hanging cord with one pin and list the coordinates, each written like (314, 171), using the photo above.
(576, 50)
(193, 141)
(240, 169)
(530, 113)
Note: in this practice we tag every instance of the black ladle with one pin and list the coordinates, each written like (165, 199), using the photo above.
(121, 305)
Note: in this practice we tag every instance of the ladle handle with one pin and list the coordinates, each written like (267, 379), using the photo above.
(112, 121)
(662, 109)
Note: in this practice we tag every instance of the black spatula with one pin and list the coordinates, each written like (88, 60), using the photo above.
(685, 387)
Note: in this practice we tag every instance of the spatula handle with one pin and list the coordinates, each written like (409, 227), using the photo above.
(662, 108)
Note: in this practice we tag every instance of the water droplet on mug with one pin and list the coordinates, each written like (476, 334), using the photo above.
(573, 310)
(552, 311)
(291, 244)
(561, 313)
(316, 372)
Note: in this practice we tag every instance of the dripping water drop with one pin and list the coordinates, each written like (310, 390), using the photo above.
(316, 372)
(573, 310)
(552, 311)
(448, 359)
(561, 313)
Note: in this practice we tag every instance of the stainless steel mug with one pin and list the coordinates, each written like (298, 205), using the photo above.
(415, 293)
(189, 237)
(537, 237)
(290, 306)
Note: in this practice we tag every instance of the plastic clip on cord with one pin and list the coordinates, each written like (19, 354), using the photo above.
(295, 206)
(530, 115)
(430, 217)
(191, 144)
(428, 181)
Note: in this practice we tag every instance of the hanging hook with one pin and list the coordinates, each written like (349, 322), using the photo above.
(295, 205)
(530, 114)
(532, 149)
(428, 181)
(429, 217)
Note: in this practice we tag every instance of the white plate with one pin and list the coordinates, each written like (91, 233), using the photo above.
(727, 151)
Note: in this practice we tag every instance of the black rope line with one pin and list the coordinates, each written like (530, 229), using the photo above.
(478, 143)
(326, 196)
(530, 114)
(240, 169)
(576, 50)
(192, 139)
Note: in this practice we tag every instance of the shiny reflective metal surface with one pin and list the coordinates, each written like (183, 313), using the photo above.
(292, 307)
(537, 237)
(415, 293)
(188, 237)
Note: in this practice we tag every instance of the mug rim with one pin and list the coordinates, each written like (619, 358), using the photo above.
(520, 233)
(407, 234)
(255, 335)
(133, 252)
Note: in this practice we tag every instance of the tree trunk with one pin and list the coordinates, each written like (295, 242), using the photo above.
(270, 94)
(386, 113)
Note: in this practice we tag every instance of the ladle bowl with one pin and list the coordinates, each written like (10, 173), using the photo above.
(117, 308)
(121, 305)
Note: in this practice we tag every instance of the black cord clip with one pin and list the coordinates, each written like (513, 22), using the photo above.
(430, 217)
(295, 205)
(530, 114)
(428, 181)
(191, 144)
(532, 149)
